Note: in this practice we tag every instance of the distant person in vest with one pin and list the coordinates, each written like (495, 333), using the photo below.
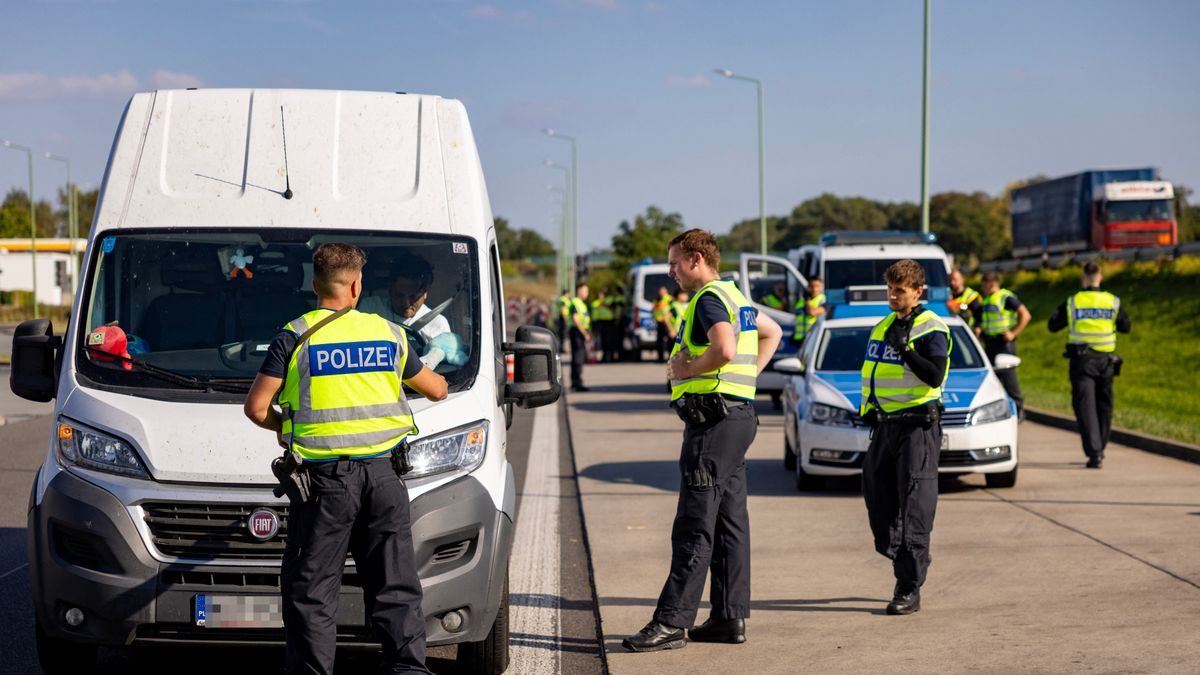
(337, 373)
(1001, 319)
(405, 305)
(675, 313)
(964, 302)
(777, 298)
(907, 360)
(581, 334)
(810, 306)
(564, 319)
(724, 344)
(1092, 318)
(601, 311)
(662, 333)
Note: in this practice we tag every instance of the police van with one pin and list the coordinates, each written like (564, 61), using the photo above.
(152, 519)
(642, 283)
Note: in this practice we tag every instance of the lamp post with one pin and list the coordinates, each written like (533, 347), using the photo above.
(32, 222)
(574, 235)
(564, 247)
(925, 129)
(762, 208)
(562, 222)
(72, 212)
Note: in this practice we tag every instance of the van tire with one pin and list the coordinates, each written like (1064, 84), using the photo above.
(1001, 480)
(63, 656)
(489, 656)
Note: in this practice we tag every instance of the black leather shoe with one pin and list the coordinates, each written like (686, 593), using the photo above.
(727, 631)
(655, 637)
(905, 603)
(580, 388)
(1094, 462)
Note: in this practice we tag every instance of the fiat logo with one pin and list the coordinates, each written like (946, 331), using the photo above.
(263, 524)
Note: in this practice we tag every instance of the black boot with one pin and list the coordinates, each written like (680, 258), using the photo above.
(1095, 462)
(905, 603)
(655, 637)
(728, 631)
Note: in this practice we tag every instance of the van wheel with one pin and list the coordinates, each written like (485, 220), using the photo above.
(789, 455)
(63, 656)
(1001, 480)
(806, 482)
(489, 656)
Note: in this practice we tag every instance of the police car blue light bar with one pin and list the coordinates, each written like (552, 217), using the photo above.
(877, 237)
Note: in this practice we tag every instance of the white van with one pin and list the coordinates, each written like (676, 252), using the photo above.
(641, 288)
(154, 504)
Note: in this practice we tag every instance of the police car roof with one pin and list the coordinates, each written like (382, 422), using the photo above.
(380, 161)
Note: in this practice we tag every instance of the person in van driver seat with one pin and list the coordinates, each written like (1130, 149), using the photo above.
(405, 303)
(337, 374)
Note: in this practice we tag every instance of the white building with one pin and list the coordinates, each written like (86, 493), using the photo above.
(55, 270)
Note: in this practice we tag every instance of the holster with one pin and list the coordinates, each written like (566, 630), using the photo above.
(700, 409)
(294, 480)
(1116, 362)
(400, 463)
(923, 416)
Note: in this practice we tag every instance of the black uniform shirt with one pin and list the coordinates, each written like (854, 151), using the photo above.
(710, 311)
(930, 356)
(1060, 319)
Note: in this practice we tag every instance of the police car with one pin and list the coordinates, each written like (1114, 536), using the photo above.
(825, 436)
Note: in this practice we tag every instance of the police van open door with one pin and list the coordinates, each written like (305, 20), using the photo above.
(774, 286)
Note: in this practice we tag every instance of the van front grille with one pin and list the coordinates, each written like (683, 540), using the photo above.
(211, 531)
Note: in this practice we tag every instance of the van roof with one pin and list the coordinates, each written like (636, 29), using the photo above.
(875, 251)
(354, 160)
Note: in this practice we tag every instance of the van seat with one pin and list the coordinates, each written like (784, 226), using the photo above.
(272, 298)
(190, 314)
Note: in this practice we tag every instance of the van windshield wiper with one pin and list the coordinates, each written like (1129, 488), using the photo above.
(235, 385)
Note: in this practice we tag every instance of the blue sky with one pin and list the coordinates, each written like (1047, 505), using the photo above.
(1019, 87)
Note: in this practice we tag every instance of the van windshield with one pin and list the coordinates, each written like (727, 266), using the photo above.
(201, 307)
(846, 273)
(652, 282)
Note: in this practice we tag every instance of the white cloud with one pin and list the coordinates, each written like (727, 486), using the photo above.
(484, 12)
(41, 87)
(687, 81)
(165, 79)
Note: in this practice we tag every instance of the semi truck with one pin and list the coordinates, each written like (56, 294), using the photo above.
(1100, 210)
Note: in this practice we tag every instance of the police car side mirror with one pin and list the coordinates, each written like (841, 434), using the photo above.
(34, 373)
(792, 365)
(537, 371)
(1006, 361)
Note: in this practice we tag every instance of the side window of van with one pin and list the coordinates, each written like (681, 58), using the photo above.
(497, 321)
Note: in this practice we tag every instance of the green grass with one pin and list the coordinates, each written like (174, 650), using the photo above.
(1157, 390)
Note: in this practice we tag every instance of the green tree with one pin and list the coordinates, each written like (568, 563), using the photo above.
(969, 226)
(520, 244)
(1187, 216)
(14, 216)
(743, 237)
(829, 212)
(647, 237)
(86, 201)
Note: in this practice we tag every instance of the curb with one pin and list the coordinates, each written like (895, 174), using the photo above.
(1144, 442)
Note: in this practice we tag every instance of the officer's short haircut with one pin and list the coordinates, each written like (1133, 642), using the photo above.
(1092, 268)
(335, 266)
(699, 241)
(815, 280)
(905, 273)
(990, 276)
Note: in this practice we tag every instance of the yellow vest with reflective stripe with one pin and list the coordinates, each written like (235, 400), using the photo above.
(602, 309)
(773, 301)
(581, 308)
(738, 377)
(342, 395)
(804, 320)
(964, 301)
(1092, 320)
(659, 312)
(564, 305)
(675, 312)
(887, 383)
(996, 318)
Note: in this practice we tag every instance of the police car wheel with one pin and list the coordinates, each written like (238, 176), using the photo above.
(63, 656)
(1001, 480)
(789, 455)
(806, 482)
(490, 655)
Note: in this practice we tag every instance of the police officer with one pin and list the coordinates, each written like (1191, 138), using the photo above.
(662, 334)
(811, 306)
(675, 313)
(777, 298)
(1093, 318)
(908, 356)
(965, 301)
(564, 318)
(724, 343)
(1002, 317)
(581, 333)
(338, 383)
(601, 312)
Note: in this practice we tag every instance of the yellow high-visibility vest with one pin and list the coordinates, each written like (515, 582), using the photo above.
(1092, 320)
(739, 376)
(804, 320)
(889, 384)
(997, 318)
(659, 312)
(675, 314)
(964, 300)
(343, 396)
(585, 318)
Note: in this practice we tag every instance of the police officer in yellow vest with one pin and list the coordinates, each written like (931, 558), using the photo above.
(344, 412)
(564, 319)
(1002, 318)
(602, 318)
(675, 313)
(581, 334)
(907, 360)
(965, 301)
(811, 306)
(723, 344)
(662, 334)
(1092, 318)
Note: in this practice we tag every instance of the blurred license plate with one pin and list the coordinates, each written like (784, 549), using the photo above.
(239, 611)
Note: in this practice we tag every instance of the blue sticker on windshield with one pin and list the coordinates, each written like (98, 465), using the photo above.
(109, 244)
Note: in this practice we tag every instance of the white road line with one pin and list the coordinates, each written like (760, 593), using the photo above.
(14, 570)
(535, 583)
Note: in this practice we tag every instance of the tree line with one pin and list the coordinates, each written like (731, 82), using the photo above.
(51, 217)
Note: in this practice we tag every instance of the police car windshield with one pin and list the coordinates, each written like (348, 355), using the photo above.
(206, 304)
(843, 349)
(846, 273)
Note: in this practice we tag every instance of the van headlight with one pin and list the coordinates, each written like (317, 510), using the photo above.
(828, 415)
(81, 446)
(460, 448)
(992, 412)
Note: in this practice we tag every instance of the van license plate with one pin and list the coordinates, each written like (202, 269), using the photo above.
(239, 611)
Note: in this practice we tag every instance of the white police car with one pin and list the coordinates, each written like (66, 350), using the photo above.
(825, 436)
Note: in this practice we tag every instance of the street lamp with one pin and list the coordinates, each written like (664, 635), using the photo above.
(925, 129)
(762, 208)
(574, 202)
(72, 212)
(566, 279)
(32, 221)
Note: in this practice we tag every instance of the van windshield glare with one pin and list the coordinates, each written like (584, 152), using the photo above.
(206, 304)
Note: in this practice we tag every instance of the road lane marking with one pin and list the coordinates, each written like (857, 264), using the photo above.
(14, 570)
(535, 598)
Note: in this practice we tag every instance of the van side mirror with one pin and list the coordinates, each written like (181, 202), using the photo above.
(34, 373)
(791, 365)
(1006, 361)
(537, 371)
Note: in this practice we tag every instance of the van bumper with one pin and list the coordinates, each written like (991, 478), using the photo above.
(86, 552)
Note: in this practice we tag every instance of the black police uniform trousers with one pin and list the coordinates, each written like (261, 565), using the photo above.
(662, 341)
(578, 357)
(900, 483)
(361, 506)
(712, 525)
(1008, 377)
(1092, 398)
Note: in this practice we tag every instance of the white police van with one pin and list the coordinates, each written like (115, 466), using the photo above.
(642, 284)
(152, 519)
